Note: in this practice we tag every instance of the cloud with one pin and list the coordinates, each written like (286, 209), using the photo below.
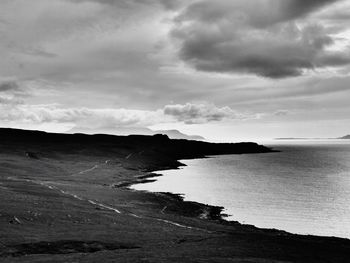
(167, 4)
(281, 113)
(34, 51)
(257, 13)
(297, 8)
(8, 101)
(83, 117)
(190, 113)
(233, 37)
(9, 85)
(11, 92)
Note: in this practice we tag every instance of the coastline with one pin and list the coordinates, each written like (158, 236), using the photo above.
(200, 210)
(71, 204)
(213, 212)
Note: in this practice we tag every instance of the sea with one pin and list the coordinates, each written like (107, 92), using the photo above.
(303, 189)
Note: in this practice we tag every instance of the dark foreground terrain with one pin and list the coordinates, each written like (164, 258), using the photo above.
(64, 199)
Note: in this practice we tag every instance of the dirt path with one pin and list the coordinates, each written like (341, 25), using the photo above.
(50, 186)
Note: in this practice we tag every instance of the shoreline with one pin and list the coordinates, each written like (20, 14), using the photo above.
(213, 212)
(209, 212)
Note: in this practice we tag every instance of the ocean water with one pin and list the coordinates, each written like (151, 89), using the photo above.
(303, 189)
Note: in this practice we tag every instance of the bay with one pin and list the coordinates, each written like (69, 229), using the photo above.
(303, 189)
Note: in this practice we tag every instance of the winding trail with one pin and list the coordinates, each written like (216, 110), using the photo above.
(48, 184)
(87, 170)
(165, 207)
(177, 224)
(128, 156)
(104, 206)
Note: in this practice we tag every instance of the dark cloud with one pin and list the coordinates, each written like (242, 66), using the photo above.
(337, 15)
(334, 58)
(199, 113)
(297, 8)
(281, 113)
(9, 86)
(259, 13)
(254, 37)
(14, 88)
(11, 93)
(39, 53)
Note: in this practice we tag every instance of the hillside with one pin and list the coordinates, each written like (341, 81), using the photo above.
(64, 198)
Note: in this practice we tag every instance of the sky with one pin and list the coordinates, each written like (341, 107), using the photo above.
(229, 70)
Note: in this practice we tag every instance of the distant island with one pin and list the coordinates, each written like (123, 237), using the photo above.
(172, 134)
(346, 137)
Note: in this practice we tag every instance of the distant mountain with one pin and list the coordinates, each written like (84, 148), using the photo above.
(172, 134)
(347, 137)
(113, 131)
(175, 134)
(291, 138)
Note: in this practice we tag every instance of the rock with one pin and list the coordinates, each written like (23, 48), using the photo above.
(31, 155)
(15, 220)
